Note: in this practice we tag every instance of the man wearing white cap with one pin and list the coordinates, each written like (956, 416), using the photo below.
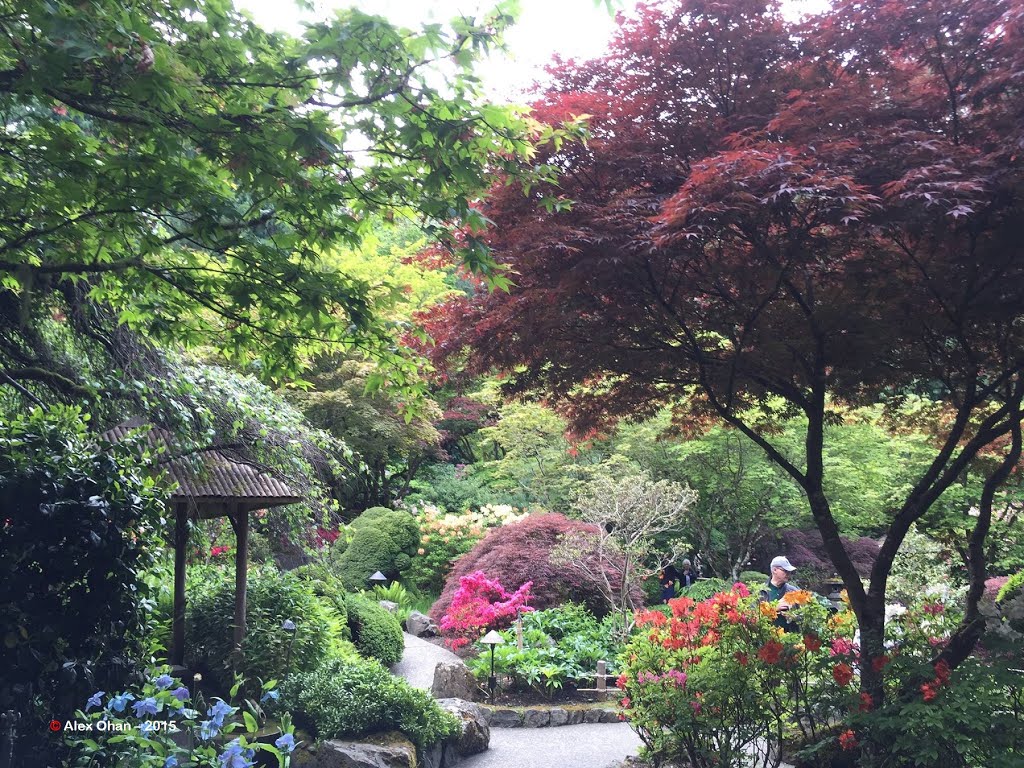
(776, 588)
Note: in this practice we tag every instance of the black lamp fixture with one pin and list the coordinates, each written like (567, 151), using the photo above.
(378, 579)
(492, 639)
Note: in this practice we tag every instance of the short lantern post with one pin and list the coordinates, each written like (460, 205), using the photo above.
(492, 639)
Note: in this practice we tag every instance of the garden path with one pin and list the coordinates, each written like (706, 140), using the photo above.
(418, 661)
(590, 745)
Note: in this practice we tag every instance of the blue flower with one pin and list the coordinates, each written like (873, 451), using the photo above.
(94, 701)
(270, 696)
(181, 693)
(288, 624)
(119, 702)
(286, 742)
(219, 710)
(163, 682)
(146, 707)
(208, 729)
(236, 756)
(171, 762)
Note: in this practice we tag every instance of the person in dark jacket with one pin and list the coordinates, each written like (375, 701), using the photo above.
(668, 578)
(775, 590)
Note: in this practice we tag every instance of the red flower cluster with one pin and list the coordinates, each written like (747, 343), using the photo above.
(214, 551)
(847, 740)
(481, 603)
(942, 672)
(770, 652)
(843, 674)
(812, 642)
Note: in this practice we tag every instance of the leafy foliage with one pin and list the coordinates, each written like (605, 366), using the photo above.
(181, 173)
(79, 526)
(270, 649)
(561, 647)
(356, 697)
(375, 631)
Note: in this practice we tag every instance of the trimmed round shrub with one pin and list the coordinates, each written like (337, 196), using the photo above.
(269, 650)
(375, 632)
(753, 577)
(520, 552)
(355, 697)
(384, 540)
(705, 588)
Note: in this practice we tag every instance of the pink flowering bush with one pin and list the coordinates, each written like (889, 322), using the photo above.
(481, 604)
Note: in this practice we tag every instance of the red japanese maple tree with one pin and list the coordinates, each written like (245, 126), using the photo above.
(782, 216)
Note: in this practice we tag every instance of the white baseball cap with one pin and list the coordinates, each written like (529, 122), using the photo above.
(782, 562)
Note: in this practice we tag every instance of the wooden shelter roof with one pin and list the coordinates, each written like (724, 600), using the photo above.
(219, 480)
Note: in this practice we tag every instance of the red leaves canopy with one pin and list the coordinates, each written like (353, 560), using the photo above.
(768, 208)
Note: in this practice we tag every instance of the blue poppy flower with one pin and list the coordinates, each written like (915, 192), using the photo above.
(208, 729)
(95, 700)
(286, 742)
(119, 702)
(181, 693)
(218, 711)
(236, 756)
(288, 624)
(171, 762)
(163, 682)
(273, 695)
(146, 707)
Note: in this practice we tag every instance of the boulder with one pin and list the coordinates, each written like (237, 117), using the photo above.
(559, 716)
(575, 716)
(505, 718)
(453, 680)
(475, 735)
(592, 716)
(536, 718)
(394, 751)
(389, 606)
(421, 625)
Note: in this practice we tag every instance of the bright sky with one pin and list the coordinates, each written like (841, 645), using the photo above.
(572, 28)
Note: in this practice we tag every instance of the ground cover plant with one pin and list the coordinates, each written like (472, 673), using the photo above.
(561, 648)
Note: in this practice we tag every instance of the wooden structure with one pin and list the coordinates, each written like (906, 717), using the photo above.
(210, 484)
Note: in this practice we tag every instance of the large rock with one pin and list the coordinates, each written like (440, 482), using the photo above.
(394, 751)
(452, 680)
(421, 625)
(388, 605)
(536, 718)
(475, 735)
(505, 718)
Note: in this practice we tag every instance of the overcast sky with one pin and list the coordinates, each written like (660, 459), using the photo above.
(571, 28)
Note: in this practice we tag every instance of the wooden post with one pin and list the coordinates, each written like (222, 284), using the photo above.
(240, 521)
(602, 682)
(178, 616)
(519, 631)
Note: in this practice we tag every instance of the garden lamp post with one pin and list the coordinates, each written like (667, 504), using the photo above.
(378, 579)
(492, 639)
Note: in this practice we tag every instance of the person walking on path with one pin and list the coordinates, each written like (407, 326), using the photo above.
(668, 578)
(688, 577)
(776, 589)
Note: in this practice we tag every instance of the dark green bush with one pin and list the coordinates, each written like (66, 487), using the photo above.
(79, 524)
(270, 650)
(384, 540)
(355, 697)
(753, 577)
(375, 632)
(705, 588)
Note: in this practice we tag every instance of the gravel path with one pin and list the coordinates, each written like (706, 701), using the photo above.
(567, 746)
(419, 660)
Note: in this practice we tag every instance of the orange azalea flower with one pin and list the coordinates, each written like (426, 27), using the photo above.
(942, 672)
(767, 609)
(680, 606)
(847, 740)
(733, 616)
(710, 638)
(928, 691)
(798, 597)
(842, 673)
(879, 662)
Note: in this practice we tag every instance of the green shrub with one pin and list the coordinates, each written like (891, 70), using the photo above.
(705, 589)
(383, 540)
(375, 632)
(270, 650)
(1011, 588)
(354, 697)
(753, 577)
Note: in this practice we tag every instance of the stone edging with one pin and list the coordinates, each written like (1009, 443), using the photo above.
(544, 717)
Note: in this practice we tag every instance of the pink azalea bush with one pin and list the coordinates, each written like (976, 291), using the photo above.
(481, 604)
